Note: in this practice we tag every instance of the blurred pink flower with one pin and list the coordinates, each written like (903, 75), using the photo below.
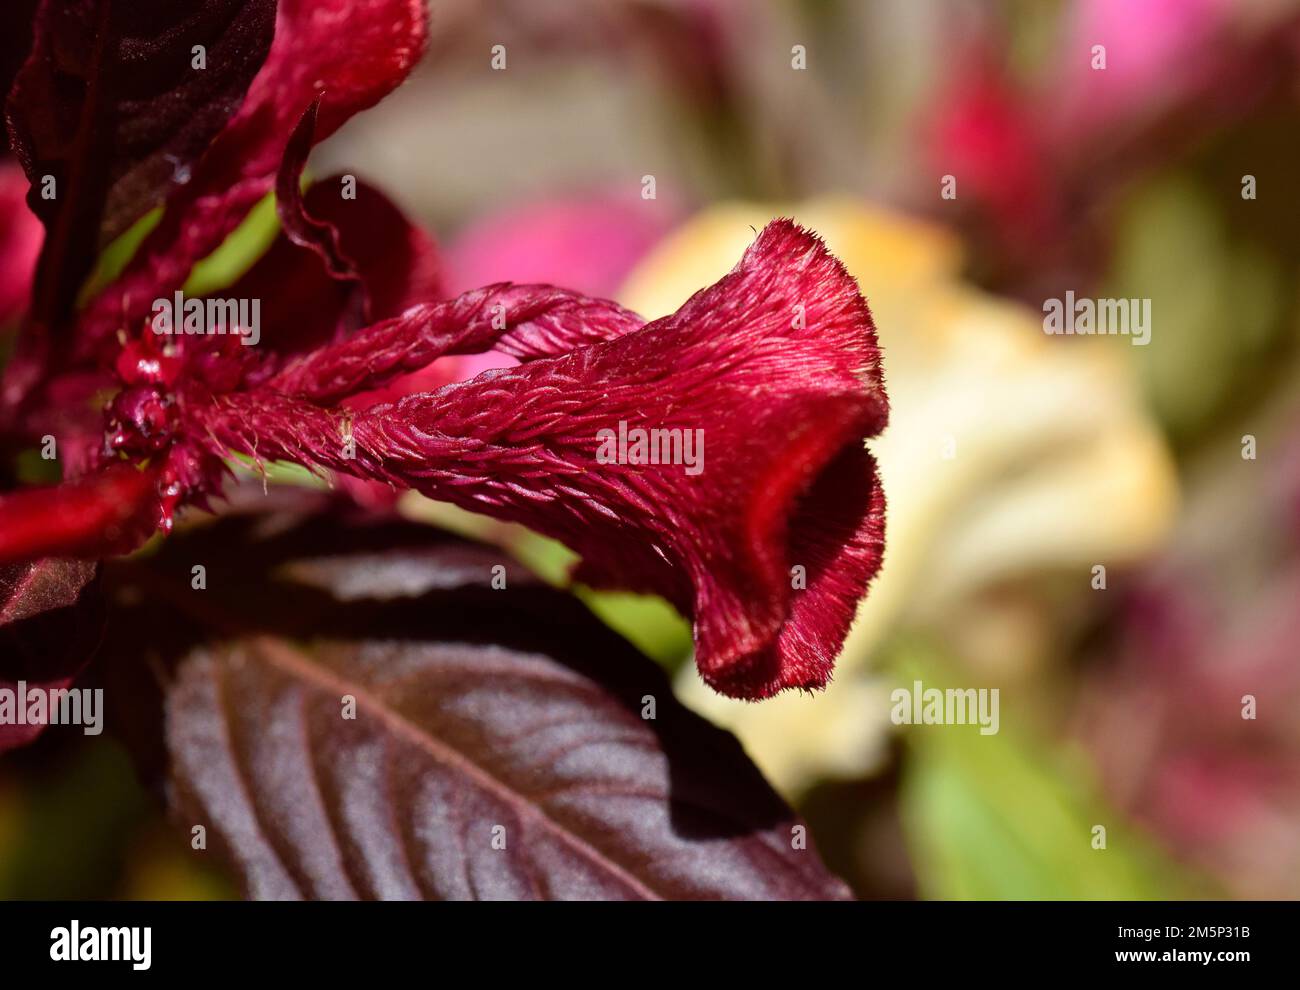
(1038, 155)
(20, 240)
(588, 243)
(1155, 52)
(984, 133)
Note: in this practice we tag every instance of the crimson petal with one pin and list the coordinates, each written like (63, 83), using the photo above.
(523, 321)
(777, 364)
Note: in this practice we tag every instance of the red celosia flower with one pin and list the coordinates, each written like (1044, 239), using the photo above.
(768, 541)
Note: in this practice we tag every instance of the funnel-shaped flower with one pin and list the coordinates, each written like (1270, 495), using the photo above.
(750, 502)
(714, 457)
(993, 475)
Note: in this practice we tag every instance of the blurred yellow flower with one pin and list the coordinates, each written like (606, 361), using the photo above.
(1008, 453)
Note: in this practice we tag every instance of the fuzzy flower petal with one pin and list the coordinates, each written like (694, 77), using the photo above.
(768, 533)
(522, 321)
(1034, 487)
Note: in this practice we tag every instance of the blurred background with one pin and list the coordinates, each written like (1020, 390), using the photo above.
(1108, 534)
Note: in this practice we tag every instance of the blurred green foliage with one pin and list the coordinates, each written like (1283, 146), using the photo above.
(1216, 300)
(1012, 817)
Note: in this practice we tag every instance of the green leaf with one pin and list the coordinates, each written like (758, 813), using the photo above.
(221, 268)
(245, 245)
(1216, 300)
(113, 260)
(1011, 816)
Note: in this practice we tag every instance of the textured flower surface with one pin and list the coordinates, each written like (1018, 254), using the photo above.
(1030, 486)
(768, 537)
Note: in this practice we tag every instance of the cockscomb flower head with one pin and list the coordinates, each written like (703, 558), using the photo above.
(714, 457)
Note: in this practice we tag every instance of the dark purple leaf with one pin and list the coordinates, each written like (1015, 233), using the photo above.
(50, 622)
(354, 53)
(457, 750)
(15, 43)
(112, 106)
(476, 708)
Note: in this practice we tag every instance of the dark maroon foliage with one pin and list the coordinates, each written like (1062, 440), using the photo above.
(475, 710)
(110, 107)
(16, 18)
(475, 706)
(50, 624)
(456, 746)
(471, 743)
(351, 55)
